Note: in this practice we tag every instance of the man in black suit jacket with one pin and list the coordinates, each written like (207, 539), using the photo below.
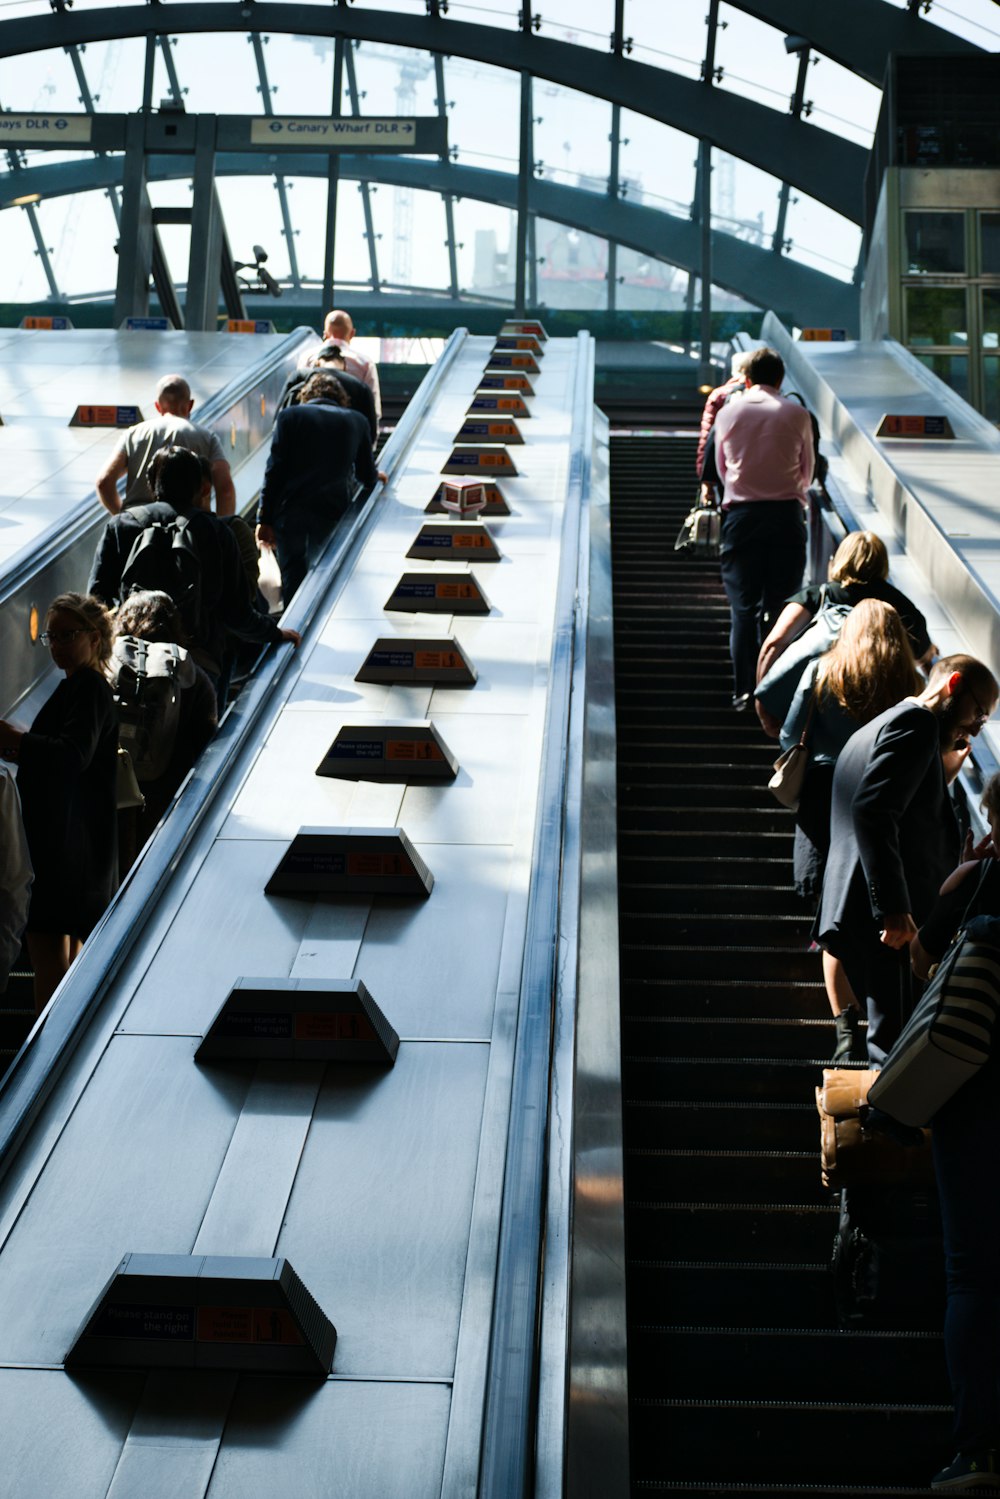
(318, 448)
(893, 835)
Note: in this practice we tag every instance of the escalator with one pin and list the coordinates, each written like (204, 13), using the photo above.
(740, 1377)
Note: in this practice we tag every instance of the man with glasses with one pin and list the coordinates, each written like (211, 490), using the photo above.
(894, 837)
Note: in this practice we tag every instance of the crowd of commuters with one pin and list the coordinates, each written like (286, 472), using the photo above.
(147, 650)
(847, 670)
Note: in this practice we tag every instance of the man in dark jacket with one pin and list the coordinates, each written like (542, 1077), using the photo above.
(331, 359)
(219, 588)
(894, 838)
(317, 449)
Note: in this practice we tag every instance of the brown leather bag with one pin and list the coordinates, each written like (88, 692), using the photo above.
(852, 1156)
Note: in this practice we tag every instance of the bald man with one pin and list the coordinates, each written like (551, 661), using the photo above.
(172, 429)
(339, 329)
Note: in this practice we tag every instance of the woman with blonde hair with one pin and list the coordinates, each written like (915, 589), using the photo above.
(67, 778)
(869, 669)
(859, 569)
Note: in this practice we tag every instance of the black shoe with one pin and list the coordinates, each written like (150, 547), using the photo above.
(846, 1027)
(741, 701)
(969, 1470)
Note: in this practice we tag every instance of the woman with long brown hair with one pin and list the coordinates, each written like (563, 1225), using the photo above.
(867, 670)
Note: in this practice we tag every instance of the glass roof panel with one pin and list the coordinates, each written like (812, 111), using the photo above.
(393, 80)
(841, 101)
(647, 283)
(300, 72)
(43, 81)
(217, 74)
(572, 136)
(307, 202)
(679, 46)
(657, 164)
(27, 281)
(485, 99)
(486, 236)
(72, 226)
(744, 199)
(504, 14)
(821, 238)
(572, 267)
(753, 60)
(589, 24)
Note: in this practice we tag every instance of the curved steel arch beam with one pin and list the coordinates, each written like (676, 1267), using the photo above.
(813, 160)
(759, 275)
(856, 33)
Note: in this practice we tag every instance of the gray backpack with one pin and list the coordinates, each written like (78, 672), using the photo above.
(147, 678)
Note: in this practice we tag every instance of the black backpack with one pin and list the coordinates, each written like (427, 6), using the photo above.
(165, 559)
(147, 678)
(821, 467)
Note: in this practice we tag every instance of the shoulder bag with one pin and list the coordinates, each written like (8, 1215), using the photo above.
(950, 1034)
(790, 767)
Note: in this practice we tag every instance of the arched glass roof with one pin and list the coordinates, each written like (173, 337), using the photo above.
(614, 192)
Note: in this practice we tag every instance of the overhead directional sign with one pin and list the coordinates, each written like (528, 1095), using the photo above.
(304, 1020)
(425, 135)
(351, 861)
(454, 542)
(447, 499)
(45, 129)
(439, 593)
(402, 752)
(440, 662)
(934, 426)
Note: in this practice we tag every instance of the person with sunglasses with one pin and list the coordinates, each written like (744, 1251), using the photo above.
(67, 768)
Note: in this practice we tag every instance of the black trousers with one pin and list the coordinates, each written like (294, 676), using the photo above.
(763, 557)
(300, 537)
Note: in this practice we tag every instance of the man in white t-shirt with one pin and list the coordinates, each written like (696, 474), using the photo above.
(171, 429)
(339, 329)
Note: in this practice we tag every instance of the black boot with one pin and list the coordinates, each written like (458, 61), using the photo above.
(846, 1027)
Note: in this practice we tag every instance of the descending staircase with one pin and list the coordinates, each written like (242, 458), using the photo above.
(740, 1378)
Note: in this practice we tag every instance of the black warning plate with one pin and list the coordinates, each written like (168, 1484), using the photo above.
(525, 327)
(480, 458)
(304, 1020)
(495, 378)
(454, 541)
(437, 593)
(398, 659)
(477, 429)
(404, 752)
(352, 862)
(520, 343)
(502, 403)
(201, 1311)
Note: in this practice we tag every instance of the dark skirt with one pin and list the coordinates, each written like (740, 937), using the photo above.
(812, 831)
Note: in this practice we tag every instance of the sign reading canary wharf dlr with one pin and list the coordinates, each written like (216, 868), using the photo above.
(428, 134)
(423, 134)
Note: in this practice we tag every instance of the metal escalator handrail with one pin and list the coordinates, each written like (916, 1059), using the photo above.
(63, 532)
(49, 1047)
(508, 1433)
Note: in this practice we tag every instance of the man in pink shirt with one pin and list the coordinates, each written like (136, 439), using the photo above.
(765, 457)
